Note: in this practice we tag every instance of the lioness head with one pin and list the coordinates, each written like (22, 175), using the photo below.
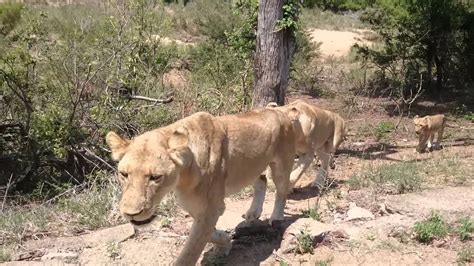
(149, 167)
(421, 124)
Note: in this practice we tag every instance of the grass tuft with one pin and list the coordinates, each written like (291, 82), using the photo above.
(465, 256)
(304, 242)
(312, 212)
(433, 227)
(465, 229)
(397, 178)
(4, 255)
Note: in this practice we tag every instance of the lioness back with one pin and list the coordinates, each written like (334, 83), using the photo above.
(254, 139)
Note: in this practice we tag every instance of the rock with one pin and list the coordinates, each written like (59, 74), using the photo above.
(339, 234)
(358, 213)
(28, 255)
(317, 230)
(60, 256)
(338, 217)
(312, 226)
(439, 243)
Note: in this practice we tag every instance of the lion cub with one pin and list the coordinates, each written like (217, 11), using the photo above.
(426, 127)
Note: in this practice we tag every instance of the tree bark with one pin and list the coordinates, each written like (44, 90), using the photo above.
(272, 56)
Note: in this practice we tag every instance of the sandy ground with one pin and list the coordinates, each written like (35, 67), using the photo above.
(338, 43)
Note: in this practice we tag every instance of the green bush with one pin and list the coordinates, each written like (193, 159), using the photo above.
(383, 128)
(10, 15)
(431, 228)
(340, 5)
(426, 43)
(465, 229)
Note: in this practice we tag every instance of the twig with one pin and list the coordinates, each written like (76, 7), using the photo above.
(6, 192)
(98, 158)
(148, 99)
(64, 193)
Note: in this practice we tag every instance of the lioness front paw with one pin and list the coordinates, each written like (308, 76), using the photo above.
(273, 220)
(251, 215)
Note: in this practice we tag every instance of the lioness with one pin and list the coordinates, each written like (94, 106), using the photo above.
(317, 130)
(426, 127)
(204, 158)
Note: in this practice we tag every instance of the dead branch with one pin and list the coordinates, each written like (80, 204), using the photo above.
(149, 99)
(6, 192)
(98, 158)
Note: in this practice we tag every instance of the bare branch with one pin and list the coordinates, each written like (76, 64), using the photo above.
(6, 192)
(149, 99)
(98, 158)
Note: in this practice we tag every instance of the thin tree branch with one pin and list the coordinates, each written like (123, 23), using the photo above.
(149, 99)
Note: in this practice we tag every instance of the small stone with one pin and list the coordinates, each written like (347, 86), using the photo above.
(28, 255)
(439, 243)
(60, 256)
(358, 213)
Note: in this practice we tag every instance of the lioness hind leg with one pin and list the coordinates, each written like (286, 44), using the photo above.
(338, 138)
(440, 137)
(430, 141)
(281, 172)
(302, 165)
(324, 155)
(259, 189)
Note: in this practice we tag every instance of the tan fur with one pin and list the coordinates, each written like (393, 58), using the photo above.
(204, 158)
(426, 127)
(317, 131)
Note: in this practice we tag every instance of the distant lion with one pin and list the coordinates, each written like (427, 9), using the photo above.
(426, 127)
(204, 158)
(317, 131)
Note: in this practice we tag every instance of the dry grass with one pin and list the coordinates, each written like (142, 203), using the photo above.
(90, 209)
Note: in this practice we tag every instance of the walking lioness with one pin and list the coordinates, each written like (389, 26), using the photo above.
(426, 127)
(317, 131)
(204, 158)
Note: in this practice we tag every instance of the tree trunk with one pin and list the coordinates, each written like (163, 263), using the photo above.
(273, 55)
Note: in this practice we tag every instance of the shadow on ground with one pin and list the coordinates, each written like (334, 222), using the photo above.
(253, 242)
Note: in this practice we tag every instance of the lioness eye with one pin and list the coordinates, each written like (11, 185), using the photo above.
(124, 174)
(156, 178)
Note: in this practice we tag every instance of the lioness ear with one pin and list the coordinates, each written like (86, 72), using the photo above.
(117, 144)
(293, 114)
(272, 104)
(416, 116)
(178, 147)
